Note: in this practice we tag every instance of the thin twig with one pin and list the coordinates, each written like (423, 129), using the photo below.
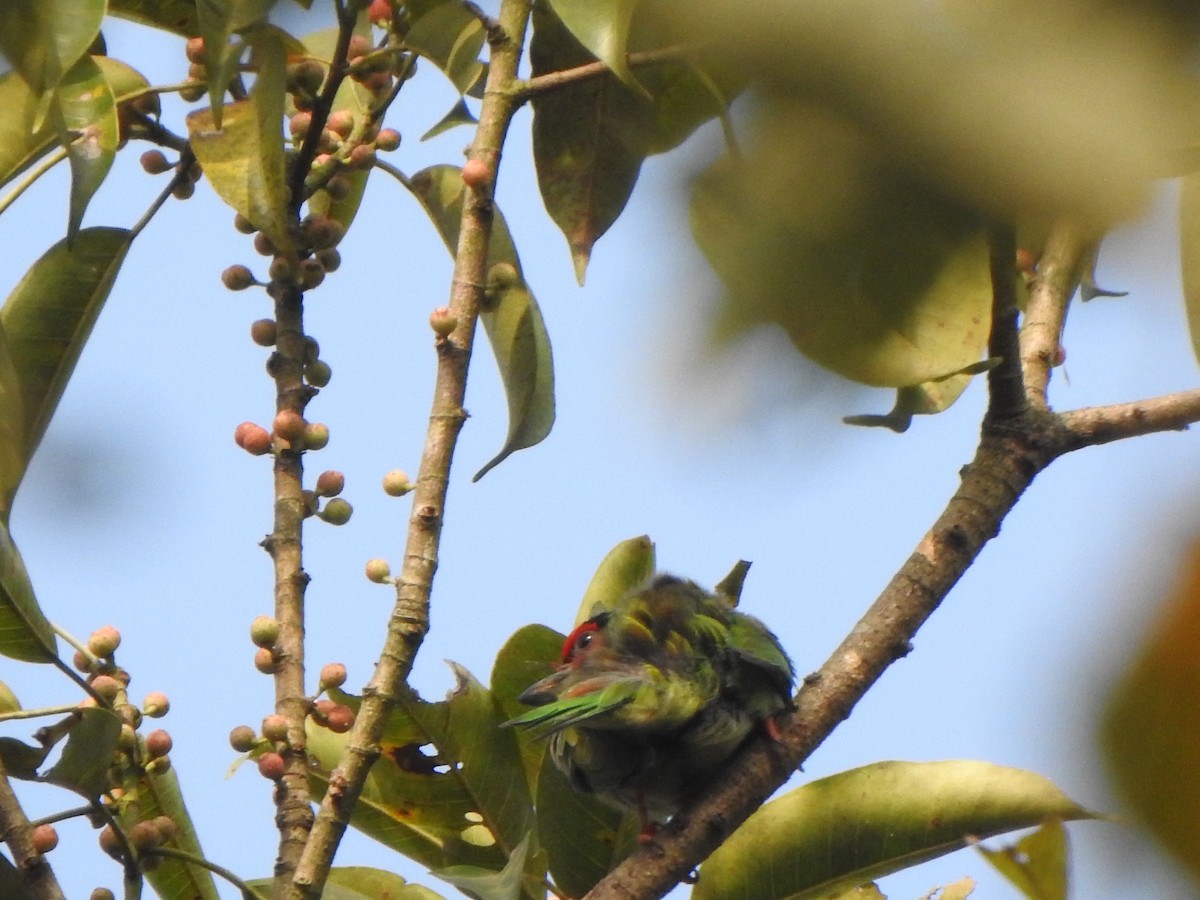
(1046, 309)
(1103, 424)
(51, 160)
(410, 617)
(524, 91)
(1006, 383)
(192, 859)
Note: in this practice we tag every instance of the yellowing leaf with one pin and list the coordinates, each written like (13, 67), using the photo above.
(1036, 864)
(854, 827)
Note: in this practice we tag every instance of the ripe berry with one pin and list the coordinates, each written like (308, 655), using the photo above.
(264, 661)
(263, 332)
(253, 438)
(388, 140)
(340, 122)
(340, 719)
(330, 483)
(380, 12)
(243, 225)
(333, 675)
(263, 245)
(289, 424)
(107, 687)
(44, 838)
(238, 278)
(274, 727)
(271, 766)
(194, 50)
(156, 705)
(110, 843)
(155, 163)
(475, 173)
(81, 662)
(298, 124)
(312, 273)
(144, 836)
(104, 641)
(330, 259)
(158, 743)
(378, 571)
(362, 157)
(360, 46)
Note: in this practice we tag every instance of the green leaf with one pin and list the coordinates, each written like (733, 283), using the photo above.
(462, 801)
(243, 156)
(86, 117)
(20, 143)
(20, 760)
(512, 319)
(158, 794)
(862, 824)
(360, 883)
(217, 20)
(459, 115)
(1150, 725)
(45, 38)
(918, 400)
(25, 634)
(177, 16)
(1189, 253)
(590, 138)
(87, 756)
(450, 37)
(530, 654)
(871, 273)
(625, 567)
(47, 319)
(14, 454)
(487, 884)
(602, 26)
(1036, 864)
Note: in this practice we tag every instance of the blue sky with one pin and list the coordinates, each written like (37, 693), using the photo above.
(140, 511)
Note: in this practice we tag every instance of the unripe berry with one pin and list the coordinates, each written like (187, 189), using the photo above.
(330, 483)
(110, 843)
(305, 76)
(289, 424)
(312, 349)
(329, 259)
(274, 727)
(376, 82)
(158, 743)
(144, 836)
(81, 661)
(281, 269)
(193, 92)
(238, 278)
(316, 437)
(271, 766)
(102, 894)
(194, 50)
(127, 739)
(156, 705)
(104, 641)
(318, 373)
(159, 765)
(340, 719)
(396, 483)
(252, 438)
(362, 157)
(378, 571)
(107, 687)
(475, 173)
(338, 187)
(298, 124)
(44, 838)
(263, 332)
(360, 45)
(340, 122)
(312, 273)
(243, 225)
(183, 190)
(264, 631)
(443, 321)
(322, 232)
(242, 738)
(166, 828)
(387, 140)
(155, 163)
(129, 714)
(336, 512)
(333, 675)
(502, 276)
(264, 661)
(380, 12)
(263, 245)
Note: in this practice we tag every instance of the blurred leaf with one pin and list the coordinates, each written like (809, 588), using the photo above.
(87, 756)
(177, 16)
(13, 452)
(1189, 252)
(590, 138)
(486, 884)
(86, 116)
(450, 37)
(511, 318)
(21, 760)
(44, 38)
(25, 634)
(12, 882)
(957, 890)
(919, 400)
(48, 318)
(602, 26)
(21, 144)
(863, 892)
(459, 115)
(243, 158)
(862, 824)
(1036, 864)
(8, 700)
(360, 883)
(158, 794)
(1151, 728)
(871, 274)
(462, 801)
(625, 567)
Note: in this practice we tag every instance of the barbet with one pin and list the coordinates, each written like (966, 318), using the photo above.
(653, 695)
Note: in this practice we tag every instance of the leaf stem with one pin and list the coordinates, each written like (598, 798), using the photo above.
(35, 172)
(248, 893)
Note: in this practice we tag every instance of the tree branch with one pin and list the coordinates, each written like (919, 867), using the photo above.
(1104, 424)
(523, 91)
(410, 616)
(1046, 310)
(1006, 383)
(16, 831)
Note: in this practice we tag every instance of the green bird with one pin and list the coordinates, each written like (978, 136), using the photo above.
(653, 695)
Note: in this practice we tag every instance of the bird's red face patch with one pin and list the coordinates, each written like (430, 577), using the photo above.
(579, 639)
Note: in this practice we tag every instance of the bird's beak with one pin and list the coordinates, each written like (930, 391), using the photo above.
(542, 692)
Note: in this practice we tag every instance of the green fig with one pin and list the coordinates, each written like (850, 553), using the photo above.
(655, 693)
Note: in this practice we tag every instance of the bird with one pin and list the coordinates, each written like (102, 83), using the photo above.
(655, 692)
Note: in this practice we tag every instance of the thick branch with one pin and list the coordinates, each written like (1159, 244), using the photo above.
(1006, 383)
(410, 617)
(16, 831)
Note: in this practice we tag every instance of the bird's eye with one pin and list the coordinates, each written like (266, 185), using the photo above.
(584, 639)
